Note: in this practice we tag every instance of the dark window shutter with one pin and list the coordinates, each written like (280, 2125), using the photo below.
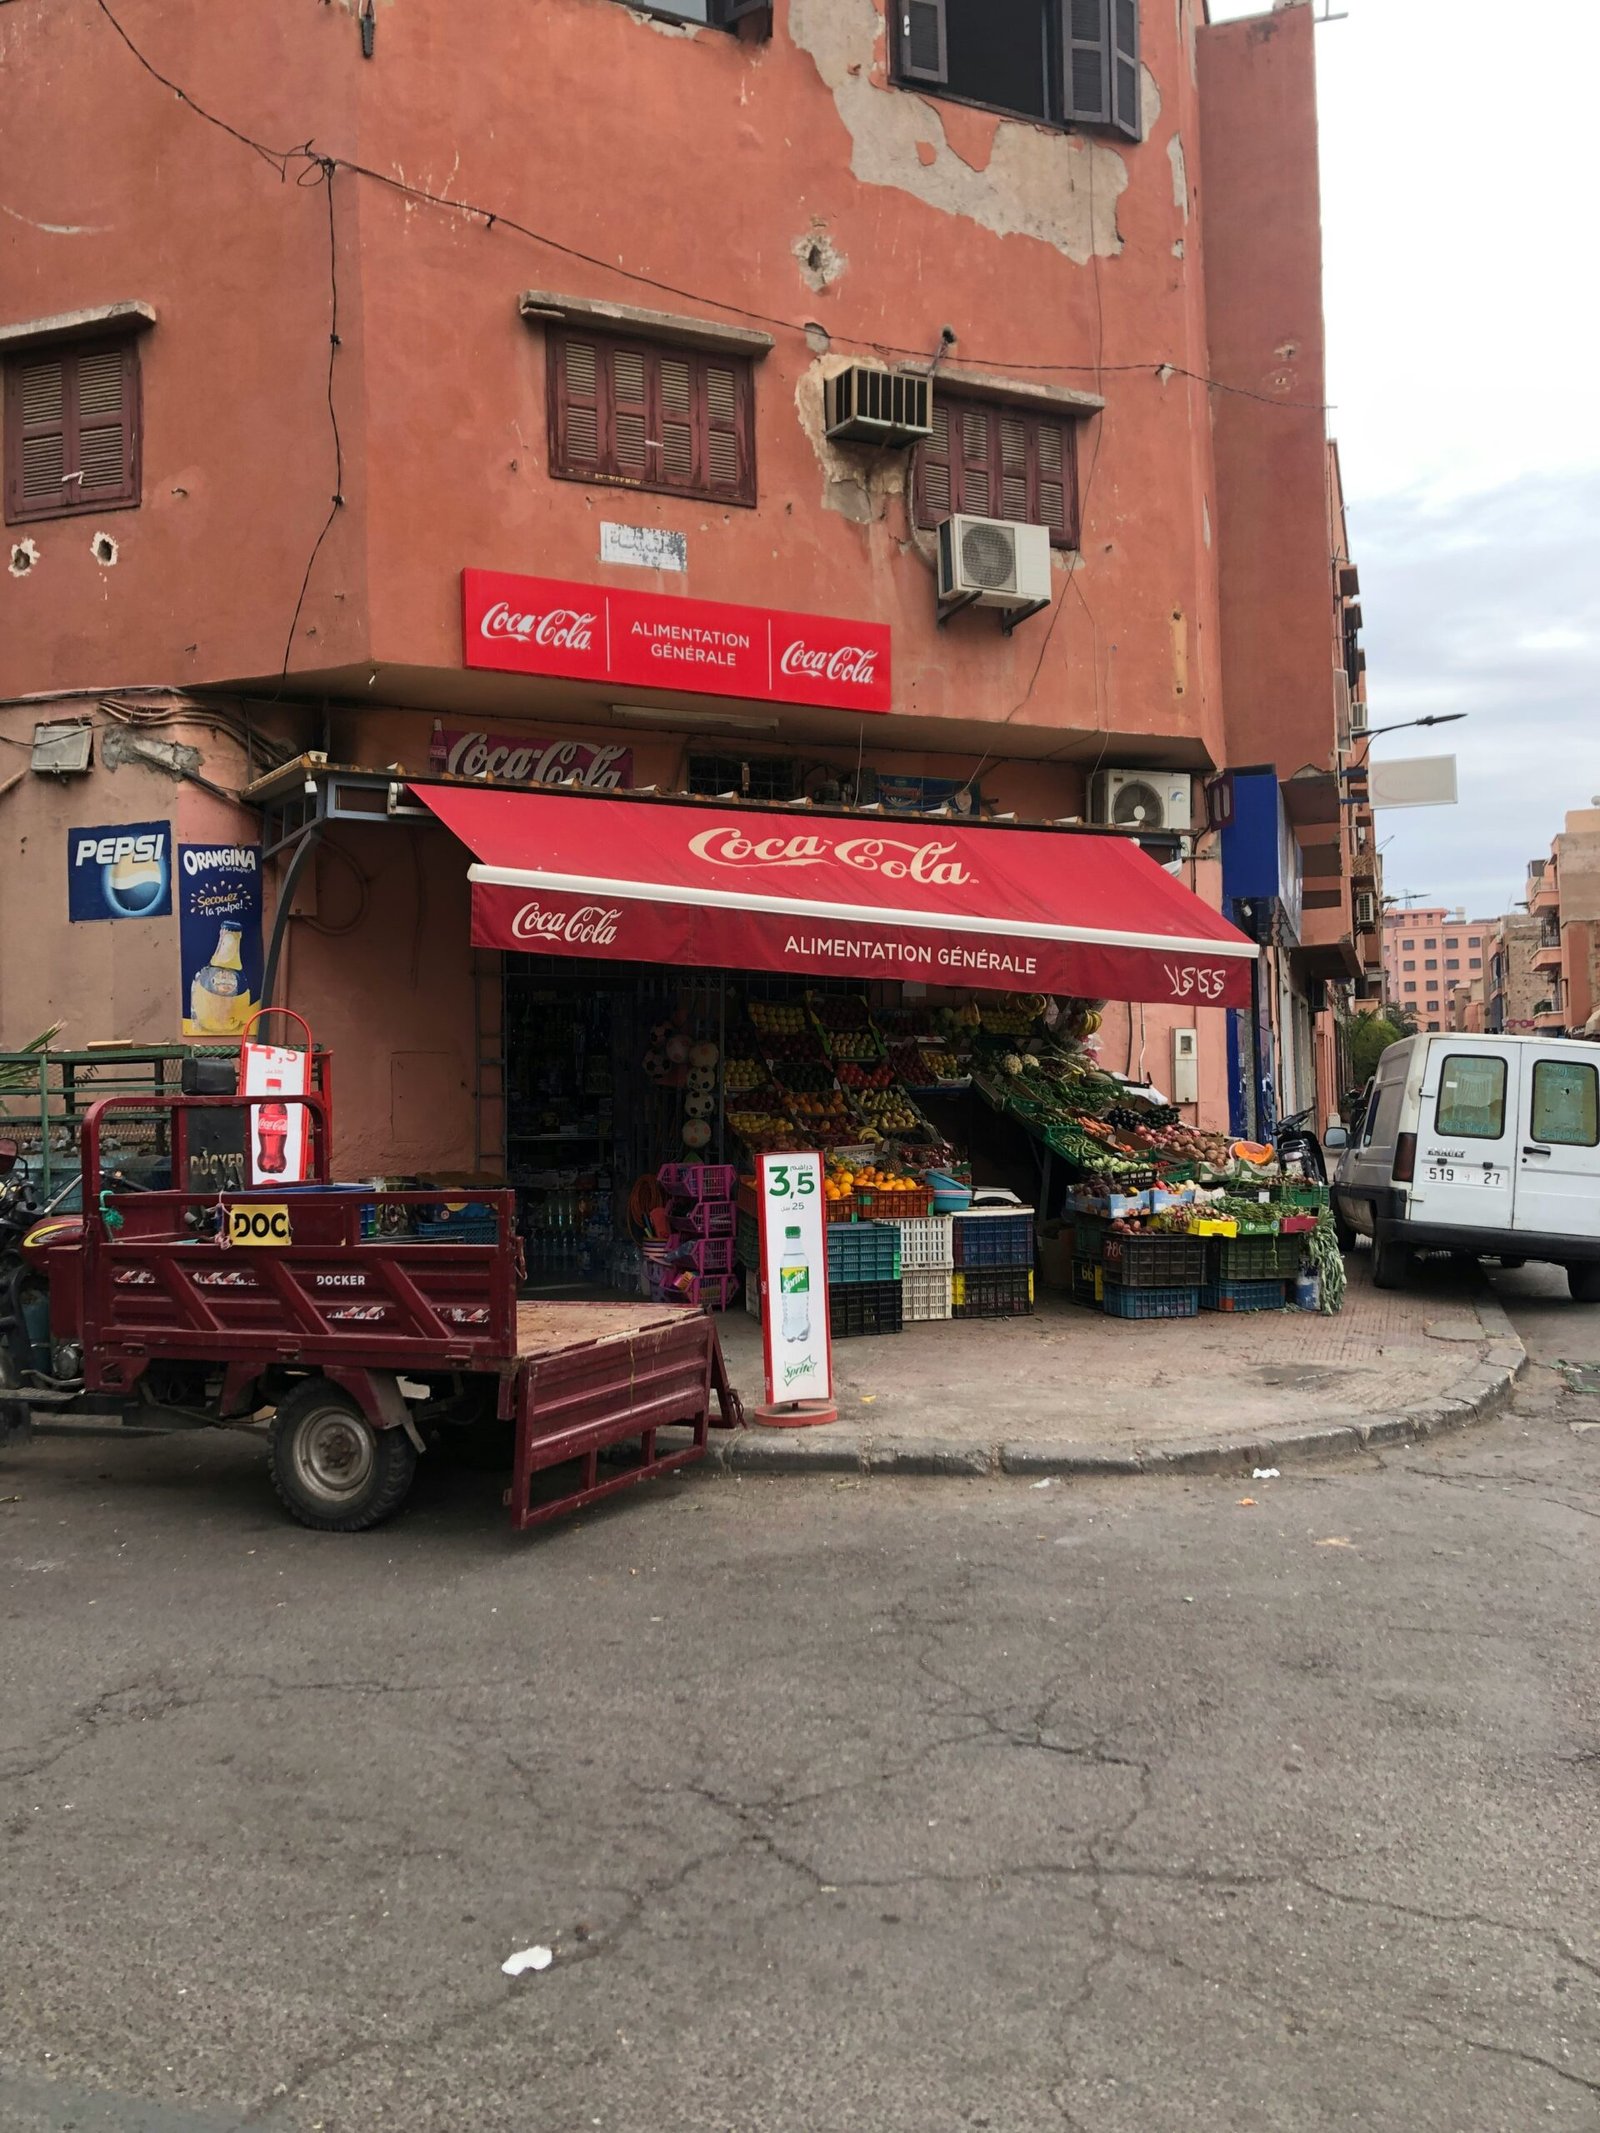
(676, 428)
(1125, 68)
(71, 430)
(932, 499)
(1087, 52)
(1055, 485)
(975, 486)
(1015, 499)
(575, 402)
(923, 43)
(628, 376)
(726, 460)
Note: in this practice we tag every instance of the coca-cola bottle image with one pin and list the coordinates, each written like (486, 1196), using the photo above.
(272, 1131)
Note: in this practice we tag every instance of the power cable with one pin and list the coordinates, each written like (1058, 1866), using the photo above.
(325, 167)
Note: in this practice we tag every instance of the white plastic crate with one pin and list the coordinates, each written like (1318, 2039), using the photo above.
(927, 1241)
(927, 1292)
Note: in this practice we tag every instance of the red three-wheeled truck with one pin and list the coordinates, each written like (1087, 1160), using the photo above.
(361, 1327)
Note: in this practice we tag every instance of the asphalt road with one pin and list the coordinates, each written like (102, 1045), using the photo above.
(1126, 1808)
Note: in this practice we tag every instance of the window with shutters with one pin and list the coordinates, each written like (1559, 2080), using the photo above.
(647, 416)
(1067, 62)
(71, 429)
(753, 17)
(993, 461)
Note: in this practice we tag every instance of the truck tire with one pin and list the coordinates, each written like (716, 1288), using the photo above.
(332, 1470)
(1583, 1280)
(1391, 1263)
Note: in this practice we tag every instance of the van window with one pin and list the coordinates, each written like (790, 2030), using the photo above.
(1383, 1115)
(1472, 1098)
(1566, 1103)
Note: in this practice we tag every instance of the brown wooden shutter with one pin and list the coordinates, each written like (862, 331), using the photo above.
(677, 423)
(924, 46)
(1053, 467)
(723, 386)
(575, 404)
(1087, 55)
(629, 428)
(932, 498)
(71, 430)
(1015, 499)
(975, 487)
(1125, 113)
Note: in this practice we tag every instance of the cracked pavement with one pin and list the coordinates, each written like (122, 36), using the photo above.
(1122, 1807)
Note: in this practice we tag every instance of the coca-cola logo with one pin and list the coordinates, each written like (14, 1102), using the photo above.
(590, 926)
(895, 858)
(856, 663)
(1189, 982)
(489, 755)
(570, 627)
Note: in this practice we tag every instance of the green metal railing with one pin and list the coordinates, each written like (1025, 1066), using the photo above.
(44, 1094)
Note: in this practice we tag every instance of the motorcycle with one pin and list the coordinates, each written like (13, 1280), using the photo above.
(1298, 1148)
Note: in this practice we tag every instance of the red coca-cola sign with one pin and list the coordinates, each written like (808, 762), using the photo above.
(640, 640)
(530, 759)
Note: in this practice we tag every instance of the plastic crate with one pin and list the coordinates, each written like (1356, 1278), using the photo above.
(752, 1294)
(707, 1218)
(992, 1292)
(1252, 1258)
(712, 1292)
(699, 1181)
(1313, 1198)
(864, 1251)
(474, 1222)
(926, 1241)
(842, 1209)
(1089, 1236)
(707, 1255)
(1088, 1281)
(929, 1293)
(1154, 1262)
(747, 1241)
(1000, 1237)
(865, 1307)
(1242, 1296)
(1151, 1303)
(873, 1204)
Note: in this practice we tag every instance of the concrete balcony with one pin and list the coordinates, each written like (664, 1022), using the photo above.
(1546, 958)
(1547, 896)
(1552, 1019)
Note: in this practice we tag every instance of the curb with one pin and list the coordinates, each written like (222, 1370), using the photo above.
(1479, 1391)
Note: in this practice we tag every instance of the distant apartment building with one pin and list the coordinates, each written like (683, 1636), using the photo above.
(1427, 955)
(1512, 986)
(1564, 898)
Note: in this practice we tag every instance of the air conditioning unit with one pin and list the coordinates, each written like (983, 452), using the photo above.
(886, 407)
(1358, 714)
(994, 562)
(1143, 800)
(1366, 910)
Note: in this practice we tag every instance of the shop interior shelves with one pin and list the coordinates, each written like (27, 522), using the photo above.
(865, 1307)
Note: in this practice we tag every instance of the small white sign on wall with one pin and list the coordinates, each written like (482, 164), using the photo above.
(648, 547)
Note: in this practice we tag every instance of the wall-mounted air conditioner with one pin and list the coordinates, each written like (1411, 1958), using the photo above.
(1358, 714)
(994, 562)
(1143, 800)
(885, 407)
(1366, 910)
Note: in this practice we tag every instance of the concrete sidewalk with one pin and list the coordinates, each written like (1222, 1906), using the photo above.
(1071, 1392)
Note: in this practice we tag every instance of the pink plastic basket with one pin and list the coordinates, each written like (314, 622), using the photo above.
(699, 1181)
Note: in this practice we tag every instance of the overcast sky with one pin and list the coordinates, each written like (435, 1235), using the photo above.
(1462, 331)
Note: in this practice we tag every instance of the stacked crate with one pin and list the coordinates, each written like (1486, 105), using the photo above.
(1151, 1276)
(993, 1253)
(864, 1278)
(1249, 1273)
(927, 1262)
(696, 1263)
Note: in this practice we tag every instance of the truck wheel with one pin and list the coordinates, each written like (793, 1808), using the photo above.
(331, 1468)
(1391, 1264)
(1584, 1282)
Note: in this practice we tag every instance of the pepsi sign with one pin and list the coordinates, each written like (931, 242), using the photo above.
(120, 870)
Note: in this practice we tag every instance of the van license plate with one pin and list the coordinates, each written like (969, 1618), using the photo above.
(1449, 1174)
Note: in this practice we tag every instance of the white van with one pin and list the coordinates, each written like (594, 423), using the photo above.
(1481, 1145)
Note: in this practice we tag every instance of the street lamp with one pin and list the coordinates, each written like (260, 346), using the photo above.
(1433, 718)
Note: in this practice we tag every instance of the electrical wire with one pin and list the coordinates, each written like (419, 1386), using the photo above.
(325, 168)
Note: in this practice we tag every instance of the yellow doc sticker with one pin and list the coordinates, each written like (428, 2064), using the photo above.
(260, 1222)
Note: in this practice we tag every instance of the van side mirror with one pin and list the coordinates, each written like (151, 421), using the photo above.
(1335, 1139)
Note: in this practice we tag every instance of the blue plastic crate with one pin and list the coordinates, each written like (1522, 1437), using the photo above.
(1150, 1303)
(998, 1237)
(480, 1228)
(863, 1251)
(1242, 1296)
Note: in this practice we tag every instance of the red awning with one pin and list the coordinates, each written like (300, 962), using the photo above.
(823, 895)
